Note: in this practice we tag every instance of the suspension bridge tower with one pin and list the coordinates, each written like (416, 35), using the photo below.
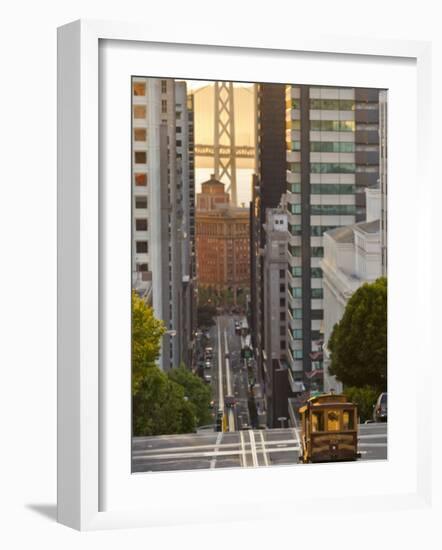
(224, 138)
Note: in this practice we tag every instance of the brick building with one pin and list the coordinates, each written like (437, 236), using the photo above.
(222, 240)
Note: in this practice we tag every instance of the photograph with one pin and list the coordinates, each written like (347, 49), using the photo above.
(258, 274)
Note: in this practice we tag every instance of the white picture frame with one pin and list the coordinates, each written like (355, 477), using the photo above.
(83, 443)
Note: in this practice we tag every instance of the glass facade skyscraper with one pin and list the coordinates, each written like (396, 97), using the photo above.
(332, 143)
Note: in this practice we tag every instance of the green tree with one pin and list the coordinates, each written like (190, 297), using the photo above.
(197, 392)
(146, 340)
(358, 343)
(364, 398)
(160, 407)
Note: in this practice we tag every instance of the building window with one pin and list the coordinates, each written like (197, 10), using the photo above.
(333, 104)
(295, 230)
(140, 157)
(317, 251)
(282, 344)
(317, 293)
(163, 106)
(298, 313)
(141, 180)
(297, 353)
(141, 247)
(295, 208)
(332, 189)
(297, 334)
(333, 209)
(282, 316)
(282, 331)
(296, 292)
(317, 314)
(164, 86)
(296, 271)
(332, 146)
(281, 273)
(332, 168)
(140, 134)
(295, 250)
(141, 224)
(142, 268)
(332, 125)
(139, 88)
(140, 202)
(139, 111)
(178, 143)
(282, 288)
(294, 167)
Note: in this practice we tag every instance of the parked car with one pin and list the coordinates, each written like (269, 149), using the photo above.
(207, 377)
(380, 408)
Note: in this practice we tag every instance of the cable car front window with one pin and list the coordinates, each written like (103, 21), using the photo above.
(348, 420)
(333, 421)
(317, 421)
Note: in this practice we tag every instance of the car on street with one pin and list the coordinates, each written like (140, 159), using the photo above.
(208, 365)
(219, 421)
(380, 408)
(229, 401)
(207, 377)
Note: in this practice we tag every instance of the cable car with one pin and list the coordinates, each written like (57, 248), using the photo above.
(329, 426)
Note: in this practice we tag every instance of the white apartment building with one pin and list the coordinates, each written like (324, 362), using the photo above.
(352, 257)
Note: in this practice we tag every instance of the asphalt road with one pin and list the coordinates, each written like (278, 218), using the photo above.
(240, 446)
(244, 448)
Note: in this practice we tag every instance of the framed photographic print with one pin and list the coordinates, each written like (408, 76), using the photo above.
(229, 217)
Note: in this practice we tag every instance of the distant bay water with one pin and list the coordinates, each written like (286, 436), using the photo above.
(243, 182)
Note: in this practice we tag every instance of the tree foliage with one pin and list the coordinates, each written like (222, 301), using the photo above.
(364, 398)
(146, 340)
(160, 407)
(358, 343)
(196, 391)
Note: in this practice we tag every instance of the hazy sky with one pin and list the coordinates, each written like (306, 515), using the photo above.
(195, 84)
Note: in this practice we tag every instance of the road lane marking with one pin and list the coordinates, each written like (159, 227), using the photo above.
(253, 449)
(243, 450)
(233, 452)
(211, 445)
(296, 432)
(220, 369)
(217, 445)
(266, 461)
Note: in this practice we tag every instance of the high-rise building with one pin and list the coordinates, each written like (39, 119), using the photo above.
(332, 156)
(185, 201)
(267, 188)
(274, 283)
(157, 208)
